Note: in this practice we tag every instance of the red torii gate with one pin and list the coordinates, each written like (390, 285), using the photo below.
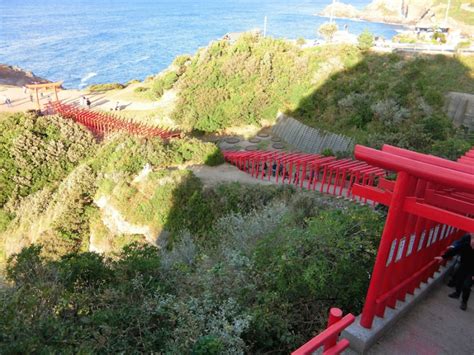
(333, 175)
(431, 203)
(101, 123)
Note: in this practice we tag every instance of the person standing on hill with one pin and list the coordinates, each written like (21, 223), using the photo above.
(465, 275)
(88, 103)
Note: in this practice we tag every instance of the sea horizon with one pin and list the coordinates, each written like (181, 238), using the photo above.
(83, 42)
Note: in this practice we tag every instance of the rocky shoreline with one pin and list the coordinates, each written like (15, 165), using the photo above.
(396, 12)
(11, 75)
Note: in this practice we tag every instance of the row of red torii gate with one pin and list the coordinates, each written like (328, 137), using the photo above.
(430, 204)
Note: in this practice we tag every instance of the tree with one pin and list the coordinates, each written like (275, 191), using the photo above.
(366, 40)
(327, 30)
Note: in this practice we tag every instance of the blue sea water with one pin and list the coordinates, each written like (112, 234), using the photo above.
(85, 42)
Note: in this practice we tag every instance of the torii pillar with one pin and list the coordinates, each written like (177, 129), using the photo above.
(55, 86)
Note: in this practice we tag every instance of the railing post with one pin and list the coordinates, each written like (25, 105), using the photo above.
(335, 315)
(391, 227)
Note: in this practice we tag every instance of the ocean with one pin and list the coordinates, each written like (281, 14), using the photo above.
(85, 42)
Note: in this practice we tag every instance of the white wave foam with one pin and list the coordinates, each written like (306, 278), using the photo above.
(141, 59)
(87, 77)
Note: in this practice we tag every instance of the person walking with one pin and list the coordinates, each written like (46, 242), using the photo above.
(465, 274)
(7, 101)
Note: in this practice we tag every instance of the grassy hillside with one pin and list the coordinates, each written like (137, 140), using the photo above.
(393, 99)
(51, 170)
(262, 284)
(371, 97)
(456, 11)
(240, 269)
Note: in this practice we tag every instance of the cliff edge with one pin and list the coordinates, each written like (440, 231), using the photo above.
(404, 12)
(15, 76)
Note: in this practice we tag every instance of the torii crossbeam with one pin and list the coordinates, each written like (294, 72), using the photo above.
(46, 86)
(430, 204)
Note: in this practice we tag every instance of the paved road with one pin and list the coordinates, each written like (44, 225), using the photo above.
(434, 326)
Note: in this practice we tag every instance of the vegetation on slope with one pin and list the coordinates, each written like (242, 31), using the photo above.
(105, 87)
(456, 10)
(36, 153)
(394, 100)
(52, 168)
(263, 283)
(241, 268)
(373, 97)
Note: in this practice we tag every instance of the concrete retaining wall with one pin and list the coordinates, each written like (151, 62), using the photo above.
(309, 139)
(460, 108)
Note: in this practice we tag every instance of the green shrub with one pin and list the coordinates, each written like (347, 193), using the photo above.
(264, 285)
(328, 30)
(105, 87)
(164, 82)
(140, 89)
(133, 81)
(181, 60)
(439, 37)
(38, 151)
(196, 151)
(365, 40)
(404, 38)
(451, 148)
(5, 219)
(300, 41)
(327, 152)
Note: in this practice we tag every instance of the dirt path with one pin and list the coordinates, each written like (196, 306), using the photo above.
(104, 100)
(211, 176)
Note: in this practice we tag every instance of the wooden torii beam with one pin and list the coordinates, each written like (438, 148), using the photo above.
(55, 86)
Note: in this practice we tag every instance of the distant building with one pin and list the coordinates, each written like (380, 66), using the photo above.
(425, 25)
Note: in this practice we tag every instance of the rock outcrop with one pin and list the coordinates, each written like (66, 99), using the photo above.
(15, 76)
(408, 12)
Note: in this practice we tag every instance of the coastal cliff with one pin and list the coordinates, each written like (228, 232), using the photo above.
(15, 76)
(404, 12)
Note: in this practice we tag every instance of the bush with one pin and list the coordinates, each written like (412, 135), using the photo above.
(140, 89)
(300, 41)
(196, 151)
(164, 82)
(262, 285)
(105, 87)
(328, 30)
(365, 40)
(439, 37)
(5, 219)
(452, 148)
(404, 38)
(244, 83)
(38, 151)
